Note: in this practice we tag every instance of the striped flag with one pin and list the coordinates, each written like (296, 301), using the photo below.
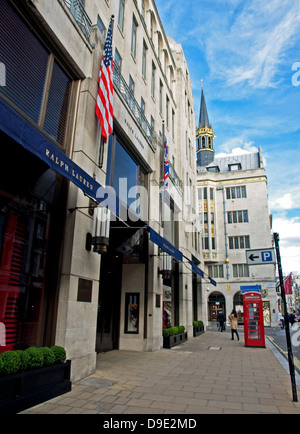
(166, 166)
(288, 285)
(104, 104)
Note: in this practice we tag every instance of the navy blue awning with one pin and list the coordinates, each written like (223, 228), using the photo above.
(24, 133)
(175, 253)
(165, 245)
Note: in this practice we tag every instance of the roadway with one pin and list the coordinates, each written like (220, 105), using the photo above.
(277, 336)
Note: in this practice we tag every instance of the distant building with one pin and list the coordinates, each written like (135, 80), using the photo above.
(234, 217)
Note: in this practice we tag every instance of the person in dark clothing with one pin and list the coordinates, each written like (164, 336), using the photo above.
(292, 319)
(221, 321)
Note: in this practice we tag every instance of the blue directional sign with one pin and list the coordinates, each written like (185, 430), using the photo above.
(260, 257)
(250, 288)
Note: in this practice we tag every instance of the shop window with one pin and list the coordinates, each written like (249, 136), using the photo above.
(59, 96)
(132, 314)
(31, 225)
(126, 177)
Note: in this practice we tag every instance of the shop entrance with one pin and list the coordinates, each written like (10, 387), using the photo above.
(126, 246)
(108, 324)
(216, 304)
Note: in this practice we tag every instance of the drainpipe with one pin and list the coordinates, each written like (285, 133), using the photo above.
(225, 228)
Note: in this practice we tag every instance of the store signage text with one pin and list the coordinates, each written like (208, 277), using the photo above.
(70, 171)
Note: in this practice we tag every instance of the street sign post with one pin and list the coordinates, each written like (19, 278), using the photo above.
(286, 320)
(260, 257)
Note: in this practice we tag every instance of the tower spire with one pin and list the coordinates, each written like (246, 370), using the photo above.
(203, 119)
(205, 135)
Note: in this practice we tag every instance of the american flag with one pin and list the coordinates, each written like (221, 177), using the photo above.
(166, 165)
(104, 104)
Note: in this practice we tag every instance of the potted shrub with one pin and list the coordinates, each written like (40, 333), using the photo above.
(33, 376)
(173, 336)
(198, 328)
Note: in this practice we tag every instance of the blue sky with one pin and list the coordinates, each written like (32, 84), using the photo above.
(248, 54)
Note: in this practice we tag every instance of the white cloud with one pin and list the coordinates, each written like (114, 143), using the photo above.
(289, 243)
(250, 47)
(236, 146)
(285, 202)
(280, 200)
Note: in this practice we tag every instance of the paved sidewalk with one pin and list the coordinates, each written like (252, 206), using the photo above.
(207, 374)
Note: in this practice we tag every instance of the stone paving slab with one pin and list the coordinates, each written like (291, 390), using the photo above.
(210, 374)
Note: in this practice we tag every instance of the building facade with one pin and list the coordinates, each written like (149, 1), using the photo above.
(56, 285)
(234, 217)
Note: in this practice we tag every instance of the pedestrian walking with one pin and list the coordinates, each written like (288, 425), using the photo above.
(221, 321)
(292, 318)
(233, 318)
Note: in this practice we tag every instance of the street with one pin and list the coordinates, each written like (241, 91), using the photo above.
(278, 337)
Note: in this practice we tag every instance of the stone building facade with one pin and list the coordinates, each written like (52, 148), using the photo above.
(54, 288)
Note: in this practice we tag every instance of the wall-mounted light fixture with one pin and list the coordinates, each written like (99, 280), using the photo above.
(166, 265)
(101, 231)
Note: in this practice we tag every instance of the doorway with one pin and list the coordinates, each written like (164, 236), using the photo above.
(216, 304)
(108, 323)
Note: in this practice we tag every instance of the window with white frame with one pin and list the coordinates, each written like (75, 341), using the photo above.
(237, 217)
(236, 192)
(240, 270)
(134, 36)
(121, 14)
(241, 242)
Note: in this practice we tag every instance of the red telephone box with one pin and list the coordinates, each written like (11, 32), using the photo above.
(253, 320)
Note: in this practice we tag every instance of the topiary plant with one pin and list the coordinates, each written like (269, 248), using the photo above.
(48, 356)
(36, 359)
(24, 359)
(11, 362)
(181, 329)
(59, 353)
(1, 364)
(166, 333)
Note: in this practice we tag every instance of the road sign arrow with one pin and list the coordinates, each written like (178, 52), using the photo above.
(253, 257)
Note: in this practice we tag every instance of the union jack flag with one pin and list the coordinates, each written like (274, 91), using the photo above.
(166, 166)
(104, 104)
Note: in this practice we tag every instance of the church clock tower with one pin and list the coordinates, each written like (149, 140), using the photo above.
(205, 137)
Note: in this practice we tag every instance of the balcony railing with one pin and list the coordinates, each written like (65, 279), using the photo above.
(175, 179)
(81, 17)
(133, 106)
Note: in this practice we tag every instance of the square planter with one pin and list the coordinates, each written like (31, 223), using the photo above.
(26, 389)
(197, 331)
(172, 341)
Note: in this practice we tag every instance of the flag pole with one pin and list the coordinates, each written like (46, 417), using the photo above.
(162, 189)
(286, 320)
